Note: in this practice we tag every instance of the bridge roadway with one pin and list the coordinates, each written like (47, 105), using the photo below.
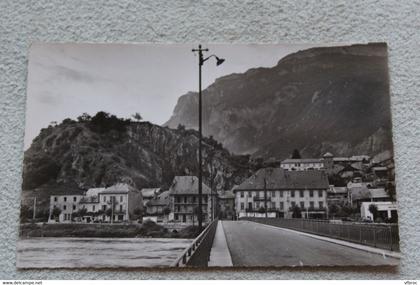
(253, 244)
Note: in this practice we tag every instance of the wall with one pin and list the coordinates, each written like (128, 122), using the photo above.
(256, 21)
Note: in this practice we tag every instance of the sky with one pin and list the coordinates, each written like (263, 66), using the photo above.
(66, 80)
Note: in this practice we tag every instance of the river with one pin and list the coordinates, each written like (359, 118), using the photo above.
(98, 252)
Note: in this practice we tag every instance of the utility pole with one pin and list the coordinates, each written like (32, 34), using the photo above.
(265, 197)
(201, 61)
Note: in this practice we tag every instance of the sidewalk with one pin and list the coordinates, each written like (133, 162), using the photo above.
(379, 251)
(220, 254)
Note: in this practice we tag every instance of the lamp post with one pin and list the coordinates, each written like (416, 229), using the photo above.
(201, 61)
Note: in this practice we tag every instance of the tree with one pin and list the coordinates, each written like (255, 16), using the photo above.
(166, 211)
(25, 213)
(56, 213)
(296, 154)
(137, 117)
(296, 212)
(333, 210)
(82, 212)
(373, 209)
(85, 117)
(180, 127)
(261, 210)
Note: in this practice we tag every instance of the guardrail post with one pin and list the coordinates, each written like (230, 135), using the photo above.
(374, 237)
(391, 242)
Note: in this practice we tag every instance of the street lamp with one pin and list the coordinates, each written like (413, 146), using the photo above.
(201, 61)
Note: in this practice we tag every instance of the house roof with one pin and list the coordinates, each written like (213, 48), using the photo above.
(360, 193)
(187, 185)
(161, 200)
(379, 168)
(94, 191)
(119, 188)
(378, 193)
(227, 195)
(149, 192)
(301, 160)
(278, 178)
(337, 190)
(328, 154)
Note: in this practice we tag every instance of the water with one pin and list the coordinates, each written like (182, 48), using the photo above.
(98, 252)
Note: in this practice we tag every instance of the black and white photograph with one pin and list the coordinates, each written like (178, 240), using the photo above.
(208, 155)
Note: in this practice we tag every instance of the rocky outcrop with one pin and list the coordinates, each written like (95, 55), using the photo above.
(140, 154)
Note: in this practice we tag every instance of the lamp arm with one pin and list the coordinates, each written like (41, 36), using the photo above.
(209, 57)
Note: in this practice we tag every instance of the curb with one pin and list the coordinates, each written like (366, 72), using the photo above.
(366, 248)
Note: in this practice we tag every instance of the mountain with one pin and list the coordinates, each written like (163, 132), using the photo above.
(332, 99)
(101, 151)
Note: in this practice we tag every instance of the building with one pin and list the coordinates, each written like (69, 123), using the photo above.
(302, 164)
(66, 205)
(279, 191)
(387, 211)
(184, 200)
(159, 207)
(226, 203)
(149, 193)
(117, 203)
(337, 195)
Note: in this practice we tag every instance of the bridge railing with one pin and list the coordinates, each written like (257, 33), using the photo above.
(198, 253)
(383, 236)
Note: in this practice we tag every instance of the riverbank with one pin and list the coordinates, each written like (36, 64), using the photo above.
(147, 229)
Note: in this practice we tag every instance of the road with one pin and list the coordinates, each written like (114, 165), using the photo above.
(253, 244)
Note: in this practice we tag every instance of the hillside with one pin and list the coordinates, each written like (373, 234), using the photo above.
(332, 99)
(77, 155)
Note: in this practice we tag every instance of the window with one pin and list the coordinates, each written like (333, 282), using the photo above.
(104, 207)
(121, 198)
(319, 193)
(302, 205)
(64, 207)
(273, 193)
(55, 199)
(176, 216)
(104, 198)
(321, 205)
(281, 205)
(281, 194)
(311, 204)
(242, 194)
(242, 206)
(293, 204)
(292, 193)
(311, 193)
(65, 199)
(121, 208)
(74, 199)
(93, 208)
(249, 194)
(301, 193)
(74, 207)
(185, 199)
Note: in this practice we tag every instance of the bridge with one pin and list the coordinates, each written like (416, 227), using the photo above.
(250, 243)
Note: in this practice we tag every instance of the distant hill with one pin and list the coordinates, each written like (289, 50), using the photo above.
(332, 99)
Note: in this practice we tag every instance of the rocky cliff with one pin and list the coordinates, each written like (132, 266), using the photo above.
(322, 99)
(74, 156)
